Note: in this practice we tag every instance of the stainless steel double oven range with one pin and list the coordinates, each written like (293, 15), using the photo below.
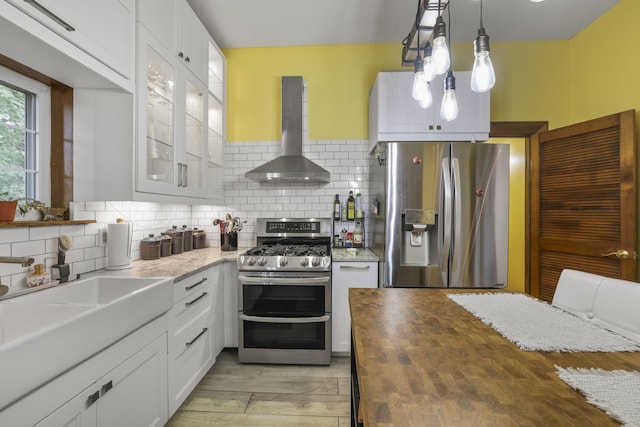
(285, 295)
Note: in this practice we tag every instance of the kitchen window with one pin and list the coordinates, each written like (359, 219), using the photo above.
(24, 136)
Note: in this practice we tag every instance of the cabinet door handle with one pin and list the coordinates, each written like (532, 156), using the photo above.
(51, 15)
(184, 175)
(106, 387)
(92, 398)
(188, 288)
(354, 267)
(179, 174)
(188, 303)
(197, 336)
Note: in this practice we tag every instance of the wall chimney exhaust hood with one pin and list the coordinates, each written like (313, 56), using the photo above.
(291, 166)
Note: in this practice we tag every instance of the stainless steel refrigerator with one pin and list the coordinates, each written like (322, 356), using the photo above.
(441, 214)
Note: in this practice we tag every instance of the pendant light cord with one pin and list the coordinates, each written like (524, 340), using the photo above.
(481, 26)
(449, 36)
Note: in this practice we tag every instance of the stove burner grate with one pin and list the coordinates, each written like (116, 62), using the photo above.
(288, 250)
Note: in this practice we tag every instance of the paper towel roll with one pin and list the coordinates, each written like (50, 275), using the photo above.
(119, 246)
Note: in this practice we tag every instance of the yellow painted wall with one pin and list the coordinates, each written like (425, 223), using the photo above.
(605, 63)
(339, 78)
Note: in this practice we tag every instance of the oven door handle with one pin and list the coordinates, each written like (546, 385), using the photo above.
(282, 280)
(261, 319)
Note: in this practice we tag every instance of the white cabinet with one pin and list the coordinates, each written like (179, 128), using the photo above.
(216, 124)
(345, 275)
(131, 394)
(178, 28)
(171, 122)
(194, 332)
(123, 385)
(231, 289)
(395, 116)
(105, 29)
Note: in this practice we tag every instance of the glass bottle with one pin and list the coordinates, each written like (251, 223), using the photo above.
(357, 236)
(343, 212)
(336, 208)
(359, 211)
(351, 207)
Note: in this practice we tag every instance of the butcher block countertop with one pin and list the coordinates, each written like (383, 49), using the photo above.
(422, 360)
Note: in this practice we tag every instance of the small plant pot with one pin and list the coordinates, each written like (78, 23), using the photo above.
(8, 210)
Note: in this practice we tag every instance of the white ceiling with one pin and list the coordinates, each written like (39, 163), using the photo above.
(260, 23)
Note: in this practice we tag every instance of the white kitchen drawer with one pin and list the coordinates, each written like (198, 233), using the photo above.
(187, 366)
(189, 316)
(191, 285)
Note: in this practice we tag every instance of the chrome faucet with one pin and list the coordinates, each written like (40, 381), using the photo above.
(26, 262)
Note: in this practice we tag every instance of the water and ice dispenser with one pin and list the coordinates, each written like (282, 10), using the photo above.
(417, 237)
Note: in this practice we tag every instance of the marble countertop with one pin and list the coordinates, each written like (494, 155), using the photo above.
(179, 266)
(361, 255)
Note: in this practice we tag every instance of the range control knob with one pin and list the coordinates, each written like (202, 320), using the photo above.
(251, 260)
(304, 262)
(315, 262)
(326, 261)
(283, 261)
(262, 260)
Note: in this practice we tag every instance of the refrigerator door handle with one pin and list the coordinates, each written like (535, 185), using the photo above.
(447, 209)
(456, 270)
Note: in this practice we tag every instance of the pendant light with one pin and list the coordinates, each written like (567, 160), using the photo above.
(428, 66)
(441, 56)
(421, 91)
(449, 106)
(483, 76)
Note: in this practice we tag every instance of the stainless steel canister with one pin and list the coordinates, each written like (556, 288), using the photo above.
(199, 238)
(177, 240)
(150, 247)
(165, 244)
(188, 238)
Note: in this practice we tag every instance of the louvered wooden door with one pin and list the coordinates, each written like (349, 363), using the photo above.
(583, 200)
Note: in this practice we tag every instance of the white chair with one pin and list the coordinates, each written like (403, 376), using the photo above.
(617, 307)
(576, 292)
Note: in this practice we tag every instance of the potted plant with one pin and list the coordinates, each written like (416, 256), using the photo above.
(21, 209)
(7, 207)
(29, 209)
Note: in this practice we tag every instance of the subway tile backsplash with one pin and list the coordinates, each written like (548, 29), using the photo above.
(346, 160)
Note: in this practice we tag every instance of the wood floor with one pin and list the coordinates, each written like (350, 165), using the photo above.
(234, 394)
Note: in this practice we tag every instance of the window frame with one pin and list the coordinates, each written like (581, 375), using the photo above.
(42, 110)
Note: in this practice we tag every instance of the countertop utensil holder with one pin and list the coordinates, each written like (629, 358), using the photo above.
(228, 241)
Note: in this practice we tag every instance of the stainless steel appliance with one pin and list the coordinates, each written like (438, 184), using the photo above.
(441, 214)
(285, 295)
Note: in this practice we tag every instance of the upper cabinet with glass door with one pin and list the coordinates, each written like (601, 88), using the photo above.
(171, 124)
(216, 122)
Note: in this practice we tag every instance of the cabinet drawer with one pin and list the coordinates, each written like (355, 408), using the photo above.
(189, 316)
(187, 365)
(191, 285)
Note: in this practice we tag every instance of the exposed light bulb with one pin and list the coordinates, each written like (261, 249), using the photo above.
(483, 76)
(429, 67)
(420, 90)
(449, 107)
(427, 99)
(440, 55)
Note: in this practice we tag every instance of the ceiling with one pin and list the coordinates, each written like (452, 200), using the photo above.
(261, 23)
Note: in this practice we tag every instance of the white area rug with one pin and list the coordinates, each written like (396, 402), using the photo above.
(535, 325)
(615, 392)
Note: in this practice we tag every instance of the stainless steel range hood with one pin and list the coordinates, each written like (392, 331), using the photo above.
(291, 166)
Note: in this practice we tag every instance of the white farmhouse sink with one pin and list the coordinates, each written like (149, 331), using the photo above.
(95, 291)
(47, 332)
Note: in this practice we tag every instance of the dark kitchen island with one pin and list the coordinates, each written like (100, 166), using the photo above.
(419, 359)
